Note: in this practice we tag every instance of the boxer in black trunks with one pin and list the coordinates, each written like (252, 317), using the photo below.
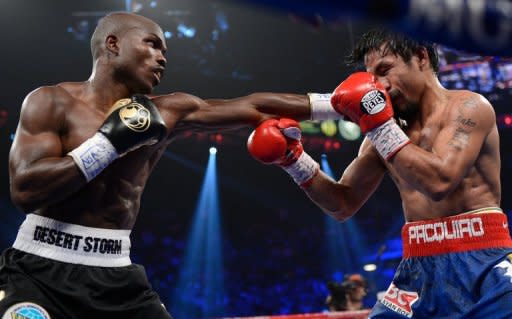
(78, 165)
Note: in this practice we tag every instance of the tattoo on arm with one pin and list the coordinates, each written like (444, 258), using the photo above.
(465, 124)
(460, 138)
(470, 103)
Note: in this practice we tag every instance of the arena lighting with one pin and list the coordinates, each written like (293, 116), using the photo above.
(370, 267)
(213, 150)
(199, 292)
(344, 242)
(349, 130)
(328, 127)
(507, 120)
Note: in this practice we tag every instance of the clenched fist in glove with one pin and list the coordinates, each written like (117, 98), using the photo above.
(278, 142)
(365, 101)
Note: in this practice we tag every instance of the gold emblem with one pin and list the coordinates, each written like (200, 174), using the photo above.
(134, 115)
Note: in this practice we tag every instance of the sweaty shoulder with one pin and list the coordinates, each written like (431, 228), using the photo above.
(45, 105)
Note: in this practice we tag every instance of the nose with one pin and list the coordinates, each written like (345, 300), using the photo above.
(384, 81)
(161, 59)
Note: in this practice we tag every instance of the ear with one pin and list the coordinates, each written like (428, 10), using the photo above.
(111, 44)
(423, 58)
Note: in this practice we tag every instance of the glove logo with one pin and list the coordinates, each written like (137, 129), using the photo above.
(373, 102)
(135, 116)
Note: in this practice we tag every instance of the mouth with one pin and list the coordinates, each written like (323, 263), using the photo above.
(395, 96)
(158, 74)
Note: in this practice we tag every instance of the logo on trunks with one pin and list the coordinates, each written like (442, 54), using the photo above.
(400, 301)
(74, 242)
(26, 310)
(134, 115)
(427, 233)
(373, 102)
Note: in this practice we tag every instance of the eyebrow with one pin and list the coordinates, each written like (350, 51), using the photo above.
(380, 66)
(160, 41)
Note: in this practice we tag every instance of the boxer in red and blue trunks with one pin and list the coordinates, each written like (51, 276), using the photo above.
(441, 149)
(453, 267)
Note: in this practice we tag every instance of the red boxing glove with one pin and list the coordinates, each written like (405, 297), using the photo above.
(278, 142)
(364, 100)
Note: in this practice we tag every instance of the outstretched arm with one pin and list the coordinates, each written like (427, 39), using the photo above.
(214, 114)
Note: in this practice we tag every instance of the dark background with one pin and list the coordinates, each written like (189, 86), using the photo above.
(274, 239)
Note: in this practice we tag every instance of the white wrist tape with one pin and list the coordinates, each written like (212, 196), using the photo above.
(388, 139)
(321, 108)
(93, 155)
(303, 170)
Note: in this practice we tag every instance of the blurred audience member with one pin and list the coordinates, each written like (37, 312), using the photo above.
(348, 295)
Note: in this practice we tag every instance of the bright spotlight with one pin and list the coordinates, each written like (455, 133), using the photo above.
(348, 130)
(370, 267)
(213, 150)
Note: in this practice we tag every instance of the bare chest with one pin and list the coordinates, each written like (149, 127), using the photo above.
(424, 137)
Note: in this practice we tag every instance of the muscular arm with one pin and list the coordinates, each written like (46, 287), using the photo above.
(214, 114)
(39, 173)
(344, 198)
(437, 173)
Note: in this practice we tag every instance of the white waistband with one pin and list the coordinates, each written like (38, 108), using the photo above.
(75, 244)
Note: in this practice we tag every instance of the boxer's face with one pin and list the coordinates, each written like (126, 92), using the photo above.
(403, 80)
(141, 61)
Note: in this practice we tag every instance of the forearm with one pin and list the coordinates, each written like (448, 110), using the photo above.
(288, 105)
(425, 171)
(330, 196)
(45, 182)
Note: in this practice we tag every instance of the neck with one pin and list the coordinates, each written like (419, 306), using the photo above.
(434, 95)
(102, 87)
(354, 305)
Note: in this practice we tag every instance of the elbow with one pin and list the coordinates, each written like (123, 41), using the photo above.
(341, 215)
(25, 201)
(439, 191)
(340, 210)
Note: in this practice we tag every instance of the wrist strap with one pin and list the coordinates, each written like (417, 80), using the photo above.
(321, 108)
(93, 155)
(388, 139)
(303, 170)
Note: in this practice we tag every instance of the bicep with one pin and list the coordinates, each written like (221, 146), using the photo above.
(191, 112)
(459, 143)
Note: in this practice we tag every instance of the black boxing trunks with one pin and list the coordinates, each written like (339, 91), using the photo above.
(61, 270)
(453, 267)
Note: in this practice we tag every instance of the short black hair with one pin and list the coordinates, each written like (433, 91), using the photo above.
(338, 300)
(396, 43)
